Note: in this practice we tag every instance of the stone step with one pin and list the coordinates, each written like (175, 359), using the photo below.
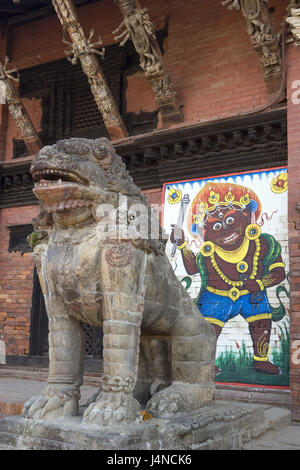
(272, 418)
(277, 424)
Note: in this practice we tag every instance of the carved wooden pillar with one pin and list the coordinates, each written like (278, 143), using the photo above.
(263, 37)
(83, 48)
(138, 27)
(293, 20)
(17, 110)
(3, 121)
(3, 108)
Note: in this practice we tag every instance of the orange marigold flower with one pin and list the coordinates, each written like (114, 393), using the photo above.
(146, 416)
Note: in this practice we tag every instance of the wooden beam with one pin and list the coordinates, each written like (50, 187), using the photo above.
(138, 27)
(11, 9)
(262, 35)
(84, 49)
(17, 109)
(26, 17)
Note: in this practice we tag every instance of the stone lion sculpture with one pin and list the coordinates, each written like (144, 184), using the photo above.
(157, 348)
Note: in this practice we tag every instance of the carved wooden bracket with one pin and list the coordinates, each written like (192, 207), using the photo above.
(138, 27)
(17, 110)
(293, 20)
(262, 34)
(234, 144)
(84, 49)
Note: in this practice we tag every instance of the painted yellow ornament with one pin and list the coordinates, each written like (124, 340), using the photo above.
(175, 195)
(279, 184)
(213, 197)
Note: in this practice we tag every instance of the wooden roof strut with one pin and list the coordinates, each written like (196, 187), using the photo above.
(263, 38)
(138, 27)
(17, 109)
(84, 49)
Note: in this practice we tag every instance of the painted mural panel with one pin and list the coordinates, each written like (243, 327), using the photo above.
(229, 247)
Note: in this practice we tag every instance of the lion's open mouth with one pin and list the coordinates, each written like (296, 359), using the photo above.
(50, 177)
(61, 190)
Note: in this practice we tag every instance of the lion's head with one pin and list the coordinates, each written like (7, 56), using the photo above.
(72, 174)
(74, 177)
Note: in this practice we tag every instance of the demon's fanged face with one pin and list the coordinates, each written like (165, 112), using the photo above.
(221, 212)
(226, 227)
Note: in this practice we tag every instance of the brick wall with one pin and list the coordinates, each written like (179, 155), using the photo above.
(153, 195)
(16, 275)
(294, 224)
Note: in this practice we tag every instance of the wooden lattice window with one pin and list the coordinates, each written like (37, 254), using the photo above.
(68, 106)
(93, 341)
(18, 238)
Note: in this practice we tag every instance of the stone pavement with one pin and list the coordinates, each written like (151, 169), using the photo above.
(16, 390)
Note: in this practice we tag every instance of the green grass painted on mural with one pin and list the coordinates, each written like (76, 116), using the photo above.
(236, 366)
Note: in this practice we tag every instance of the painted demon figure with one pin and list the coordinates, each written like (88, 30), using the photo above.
(237, 263)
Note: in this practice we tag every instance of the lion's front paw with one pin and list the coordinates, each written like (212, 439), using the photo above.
(171, 400)
(112, 408)
(54, 402)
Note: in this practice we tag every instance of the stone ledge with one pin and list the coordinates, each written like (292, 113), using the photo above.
(224, 426)
(254, 394)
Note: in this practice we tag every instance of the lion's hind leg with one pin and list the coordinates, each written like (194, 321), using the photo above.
(193, 352)
(161, 365)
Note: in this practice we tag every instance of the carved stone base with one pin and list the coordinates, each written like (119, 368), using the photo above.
(224, 426)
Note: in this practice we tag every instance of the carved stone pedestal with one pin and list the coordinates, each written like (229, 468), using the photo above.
(224, 426)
